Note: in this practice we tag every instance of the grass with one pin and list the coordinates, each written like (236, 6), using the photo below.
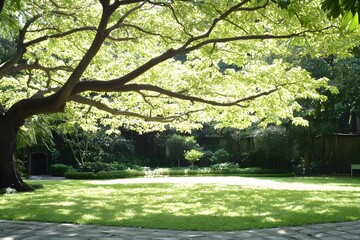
(215, 207)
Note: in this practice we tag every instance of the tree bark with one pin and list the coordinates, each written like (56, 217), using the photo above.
(2, 4)
(9, 177)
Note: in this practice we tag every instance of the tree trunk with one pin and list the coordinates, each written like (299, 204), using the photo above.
(9, 176)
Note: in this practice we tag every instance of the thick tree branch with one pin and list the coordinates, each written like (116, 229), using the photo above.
(127, 2)
(103, 107)
(147, 87)
(101, 34)
(101, 86)
(20, 50)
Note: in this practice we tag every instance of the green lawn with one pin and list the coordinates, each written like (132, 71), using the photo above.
(189, 206)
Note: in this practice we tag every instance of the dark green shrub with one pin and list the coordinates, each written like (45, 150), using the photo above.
(276, 144)
(94, 167)
(80, 175)
(60, 169)
(220, 156)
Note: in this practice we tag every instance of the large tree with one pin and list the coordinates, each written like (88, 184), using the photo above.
(147, 63)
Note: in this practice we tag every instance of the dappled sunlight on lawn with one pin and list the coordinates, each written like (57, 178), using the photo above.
(190, 205)
(246, 182)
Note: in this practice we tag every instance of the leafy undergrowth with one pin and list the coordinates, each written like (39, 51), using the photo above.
(215, 207)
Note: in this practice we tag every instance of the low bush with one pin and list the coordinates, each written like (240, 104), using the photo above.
(119, 174)
(60, 169)
(80, 175)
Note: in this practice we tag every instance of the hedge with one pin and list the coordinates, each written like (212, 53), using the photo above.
(60, 169)
(244, 172)
(104, 175)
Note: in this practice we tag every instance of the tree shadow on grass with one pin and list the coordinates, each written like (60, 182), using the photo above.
(183, 207)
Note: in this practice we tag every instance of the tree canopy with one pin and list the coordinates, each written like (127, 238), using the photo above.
(145, 64)
(72, 50)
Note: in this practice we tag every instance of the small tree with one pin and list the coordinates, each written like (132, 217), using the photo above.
(193, 156)
(177, 144)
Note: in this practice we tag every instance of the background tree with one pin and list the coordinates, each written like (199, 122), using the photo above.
(120, 58)
(193, 156)
(340, 113)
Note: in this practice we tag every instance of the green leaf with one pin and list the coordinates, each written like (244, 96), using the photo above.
(354, 23)
(345, 22)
